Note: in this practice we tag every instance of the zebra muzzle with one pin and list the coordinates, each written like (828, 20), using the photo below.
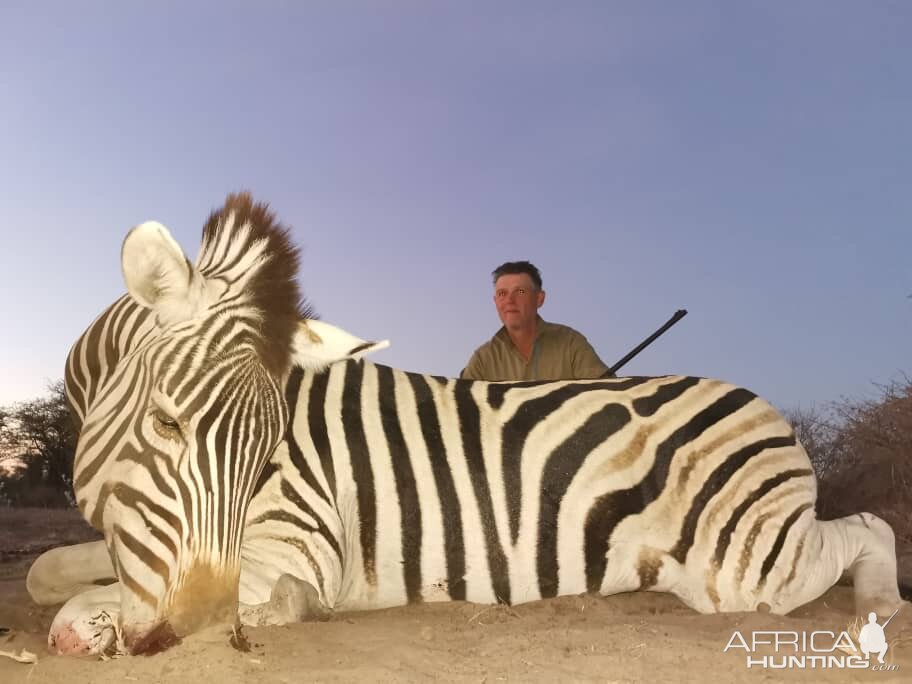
(149, 642)
(207, 596)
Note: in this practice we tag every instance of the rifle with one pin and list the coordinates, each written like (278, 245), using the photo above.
(678, 315)
(884, 625)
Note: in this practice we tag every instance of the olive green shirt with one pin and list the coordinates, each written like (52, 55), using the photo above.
(559, 353)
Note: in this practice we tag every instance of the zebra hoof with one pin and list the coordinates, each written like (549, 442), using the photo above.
(93, 635)
(291, 600)
(87, 624)
(298, 600)
(874, 573)
(883, 605)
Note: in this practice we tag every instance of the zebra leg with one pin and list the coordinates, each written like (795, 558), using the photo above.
(291, 600)
(814, 557)
(861, 546)
(873, 570)
(59, 574)
(87, 623)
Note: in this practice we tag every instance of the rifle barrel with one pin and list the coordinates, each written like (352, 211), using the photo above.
(678, 315)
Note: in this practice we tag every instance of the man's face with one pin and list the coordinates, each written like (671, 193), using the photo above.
(517, 300)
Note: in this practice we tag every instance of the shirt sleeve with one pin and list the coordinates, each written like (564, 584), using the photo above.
(585, 362)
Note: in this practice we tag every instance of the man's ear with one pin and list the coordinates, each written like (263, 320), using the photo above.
(318, 344)
(541, 297)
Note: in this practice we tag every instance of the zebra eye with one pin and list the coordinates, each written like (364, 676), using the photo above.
(166, 426)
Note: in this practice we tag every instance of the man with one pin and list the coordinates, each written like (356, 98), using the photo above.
(871, 638)
(527, 347)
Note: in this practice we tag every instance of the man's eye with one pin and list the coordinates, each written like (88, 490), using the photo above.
(521, 291)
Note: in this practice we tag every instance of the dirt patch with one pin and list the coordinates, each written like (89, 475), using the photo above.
(27, 532)
(625, 638)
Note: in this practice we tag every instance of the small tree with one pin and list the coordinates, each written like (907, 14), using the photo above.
(819, 433)
(40, 435)
(862, 453)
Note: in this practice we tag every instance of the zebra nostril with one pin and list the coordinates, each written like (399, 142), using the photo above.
(159, 638)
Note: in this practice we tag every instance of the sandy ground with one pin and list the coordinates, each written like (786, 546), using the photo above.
(625, 638)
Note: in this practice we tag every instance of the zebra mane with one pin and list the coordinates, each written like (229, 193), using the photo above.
(246, 248)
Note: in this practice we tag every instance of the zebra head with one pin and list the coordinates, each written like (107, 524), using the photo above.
(180, 391)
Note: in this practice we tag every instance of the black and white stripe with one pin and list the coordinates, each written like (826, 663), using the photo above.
(226, 443)
(450, 489)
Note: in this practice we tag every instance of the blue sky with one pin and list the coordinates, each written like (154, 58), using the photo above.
(747, 161)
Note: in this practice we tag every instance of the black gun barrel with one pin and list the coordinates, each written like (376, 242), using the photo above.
(678, 315)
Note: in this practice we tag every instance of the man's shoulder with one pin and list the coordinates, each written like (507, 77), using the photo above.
(495, 342)
(560, 330)
(486, 358)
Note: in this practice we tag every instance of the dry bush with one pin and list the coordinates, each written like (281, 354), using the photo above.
(862, 453)
(37, 445)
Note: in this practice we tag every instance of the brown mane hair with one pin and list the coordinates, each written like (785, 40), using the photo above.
(273, 289)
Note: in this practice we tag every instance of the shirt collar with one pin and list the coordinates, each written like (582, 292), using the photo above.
(540, 327)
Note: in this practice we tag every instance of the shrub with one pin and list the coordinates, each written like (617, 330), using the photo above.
(862, 453)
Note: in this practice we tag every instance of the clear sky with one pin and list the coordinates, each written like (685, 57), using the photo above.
(748, 161)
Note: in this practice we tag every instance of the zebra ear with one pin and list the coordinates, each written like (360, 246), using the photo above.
(159, 276)
(318, 344)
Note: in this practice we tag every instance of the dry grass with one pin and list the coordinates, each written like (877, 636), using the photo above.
(30, 531)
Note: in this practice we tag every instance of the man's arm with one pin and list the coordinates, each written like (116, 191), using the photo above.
(585, 362)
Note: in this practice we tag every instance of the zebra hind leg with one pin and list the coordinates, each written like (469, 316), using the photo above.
(861, 546)
(874, 571)
(291, 600)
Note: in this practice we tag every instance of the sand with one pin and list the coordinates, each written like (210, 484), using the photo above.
(623, 638)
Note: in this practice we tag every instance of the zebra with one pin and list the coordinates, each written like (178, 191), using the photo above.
(247, 465)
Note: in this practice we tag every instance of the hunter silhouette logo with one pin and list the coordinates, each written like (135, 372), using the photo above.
(872, 639)
(820, 649)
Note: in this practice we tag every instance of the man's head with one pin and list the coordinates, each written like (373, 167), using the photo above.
(518, 294)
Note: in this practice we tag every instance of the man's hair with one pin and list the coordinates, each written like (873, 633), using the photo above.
(514, 267)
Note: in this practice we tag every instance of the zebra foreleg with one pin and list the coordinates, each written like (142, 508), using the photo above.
(59, 574)
(291, 600)
(87, 623)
